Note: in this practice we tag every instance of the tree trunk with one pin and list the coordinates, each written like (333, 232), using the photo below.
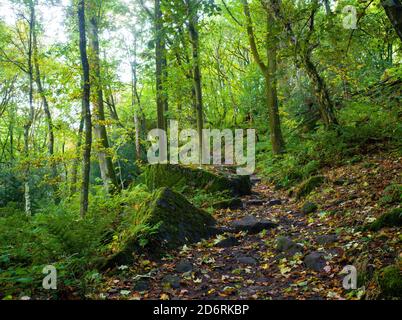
(270, 73)
(393, 9)
(160, 58)
(325, 104)
(194, 41)
(74, 169)
(277, 142)
(48, 115)
(28, 124)
(86, 110)
(102, 144)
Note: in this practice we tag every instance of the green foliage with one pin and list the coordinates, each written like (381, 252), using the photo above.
(57, 235)
(392, 194)
(390, 281)
(309, 207)
(10, 186)
(392, 218)
(365, 128)
(308, 186)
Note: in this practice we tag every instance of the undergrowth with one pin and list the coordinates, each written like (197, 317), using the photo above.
(58, 236)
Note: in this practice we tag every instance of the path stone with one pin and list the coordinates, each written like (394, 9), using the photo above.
(232, 204)
(255, 202)
(326, 239)
(228, 242)
(285, 244)
(141, 285)
(184, 266)
(246, 260)
(274, 202)
(171, 280)
(252, 225)
(315, 260)
(217, 230)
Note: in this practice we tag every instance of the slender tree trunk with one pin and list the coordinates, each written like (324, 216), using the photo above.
(270, 74)
(76, 161)
(86, 110)
(197, 85)
(48, 115)
(136, 105)
(159, 62)
(29, 122)
(277, 142)
(325, 104)
(102, 144)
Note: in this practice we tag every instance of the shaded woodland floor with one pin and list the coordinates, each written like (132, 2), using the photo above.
(254, 266)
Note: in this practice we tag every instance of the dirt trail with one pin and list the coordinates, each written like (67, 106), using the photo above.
(312, 252)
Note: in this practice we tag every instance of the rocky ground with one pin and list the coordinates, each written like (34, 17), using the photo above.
(277, 247)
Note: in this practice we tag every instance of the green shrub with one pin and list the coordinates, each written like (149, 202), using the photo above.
(308, 186)
(390, 281)
(57, 235)
(392, 194)
(392, 218)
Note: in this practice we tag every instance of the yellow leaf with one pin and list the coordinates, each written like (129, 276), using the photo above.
(164, 296)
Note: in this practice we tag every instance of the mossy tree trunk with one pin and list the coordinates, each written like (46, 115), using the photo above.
(269, 71)
(102, 143)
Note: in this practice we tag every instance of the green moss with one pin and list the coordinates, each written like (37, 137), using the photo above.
(309, 207)
(179, 221)
(390, 281)
(170, 221)
(392, 218)
(308, 186)
(392, 194)
(184, 179)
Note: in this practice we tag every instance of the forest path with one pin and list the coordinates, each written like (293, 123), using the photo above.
(307, 263)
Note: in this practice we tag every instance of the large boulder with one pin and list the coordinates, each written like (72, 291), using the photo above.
(179, 221)
(181, 177)
(175, 222)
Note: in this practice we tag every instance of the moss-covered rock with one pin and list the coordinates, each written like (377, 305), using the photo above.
(306, 187)
(182, 178)
(390, 281)
(174, 221)
(180, 222)
(392, 218)
(391, 195)
(309, 207)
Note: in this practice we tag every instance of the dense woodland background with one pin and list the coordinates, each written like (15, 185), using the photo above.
(80, 89)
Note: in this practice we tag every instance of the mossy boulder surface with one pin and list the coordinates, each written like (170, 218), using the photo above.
(182, 178)
(180, 222)
(392, 218)
(390, 281)
(174, 221)
(306, 187)
(309, 207)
